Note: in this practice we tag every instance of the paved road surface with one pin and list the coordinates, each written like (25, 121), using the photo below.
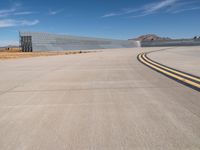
(96, 101)
(182, 58)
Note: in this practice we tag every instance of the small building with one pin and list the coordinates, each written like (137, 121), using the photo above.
(36, 41)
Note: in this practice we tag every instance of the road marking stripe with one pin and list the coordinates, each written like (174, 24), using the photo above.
(174, 71)
(168, 73)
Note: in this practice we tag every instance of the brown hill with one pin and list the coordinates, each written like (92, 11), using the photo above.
(151, 37)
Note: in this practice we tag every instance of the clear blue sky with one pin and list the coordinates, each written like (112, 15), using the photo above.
(119, 19)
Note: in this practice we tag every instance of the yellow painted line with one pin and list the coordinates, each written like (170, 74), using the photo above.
(174, 71)
(169, 74)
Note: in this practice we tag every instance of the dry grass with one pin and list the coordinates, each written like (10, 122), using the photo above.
(10, 49)
(15, 55)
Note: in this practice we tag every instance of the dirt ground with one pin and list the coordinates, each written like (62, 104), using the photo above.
(15, 55)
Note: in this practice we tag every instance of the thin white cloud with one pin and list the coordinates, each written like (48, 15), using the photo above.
(123, 12)
(55, 12)
(28, 22)
(14, 11)
(24, 13)
(155, 7)
(167, 6)
(151, 8)
(140, 15)
(184, 6)
(12, 23)
(7, 12)
(110, 15)
(7, 23)
(186, 9)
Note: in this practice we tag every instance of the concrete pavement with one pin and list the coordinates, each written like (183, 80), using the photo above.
(179, 76)
(95, 101)
(182, 58)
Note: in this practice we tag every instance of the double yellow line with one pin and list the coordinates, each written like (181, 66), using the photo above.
(187, 79)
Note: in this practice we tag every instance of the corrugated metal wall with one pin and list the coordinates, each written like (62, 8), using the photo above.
(184, 42)
(53, 42)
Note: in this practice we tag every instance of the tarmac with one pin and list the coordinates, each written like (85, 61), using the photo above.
(182, 58)
(105, 100)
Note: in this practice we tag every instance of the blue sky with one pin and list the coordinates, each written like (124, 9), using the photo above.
(119, 19)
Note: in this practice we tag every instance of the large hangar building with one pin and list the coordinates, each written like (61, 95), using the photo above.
(35, 41)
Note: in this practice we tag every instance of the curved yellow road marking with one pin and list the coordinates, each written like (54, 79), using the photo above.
(168, 73)
(174, 71)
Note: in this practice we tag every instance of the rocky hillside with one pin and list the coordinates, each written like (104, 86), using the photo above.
(150, 37)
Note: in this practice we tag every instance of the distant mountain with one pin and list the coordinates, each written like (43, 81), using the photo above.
(9, 46)
(151, 37)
